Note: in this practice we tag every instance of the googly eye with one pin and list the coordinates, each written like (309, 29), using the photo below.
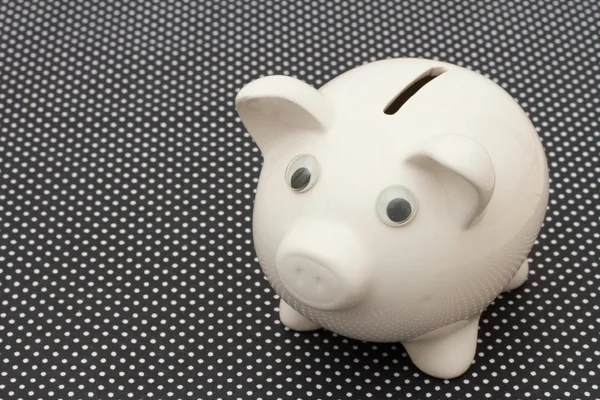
(396, 205)
(302, 173)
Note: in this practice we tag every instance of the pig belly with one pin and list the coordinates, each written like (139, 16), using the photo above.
(460, 295)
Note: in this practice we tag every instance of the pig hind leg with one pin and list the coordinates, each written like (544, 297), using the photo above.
(294, 320)
(446, 352)
(519, 278)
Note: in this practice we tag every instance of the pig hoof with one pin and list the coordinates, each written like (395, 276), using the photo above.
(294, 320)
(447, 352)
(519, 278)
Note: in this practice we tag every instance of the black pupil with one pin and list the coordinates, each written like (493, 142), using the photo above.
(300, 178)
(399, 210)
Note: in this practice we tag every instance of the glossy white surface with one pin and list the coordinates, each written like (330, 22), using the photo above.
(462, 148)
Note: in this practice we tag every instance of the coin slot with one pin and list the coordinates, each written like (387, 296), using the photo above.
(411, 90)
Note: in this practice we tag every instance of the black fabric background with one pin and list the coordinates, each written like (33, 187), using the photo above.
(126, 186)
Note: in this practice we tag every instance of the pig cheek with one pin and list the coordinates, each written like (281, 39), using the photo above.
(411, 259)
(274, 214)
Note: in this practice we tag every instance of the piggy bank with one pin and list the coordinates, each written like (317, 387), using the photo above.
(394, 203)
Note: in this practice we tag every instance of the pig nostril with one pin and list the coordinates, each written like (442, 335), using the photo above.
(322, 276)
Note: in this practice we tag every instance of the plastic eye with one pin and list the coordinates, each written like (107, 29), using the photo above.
(396, 205)
(302, 173)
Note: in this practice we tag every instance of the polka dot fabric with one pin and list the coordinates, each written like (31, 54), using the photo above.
(126, 186)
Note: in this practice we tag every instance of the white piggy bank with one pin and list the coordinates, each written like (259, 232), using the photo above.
(395, 203)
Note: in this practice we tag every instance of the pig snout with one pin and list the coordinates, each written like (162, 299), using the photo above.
(323, 265)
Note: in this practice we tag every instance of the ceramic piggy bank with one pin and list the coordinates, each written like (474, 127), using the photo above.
(394, 203)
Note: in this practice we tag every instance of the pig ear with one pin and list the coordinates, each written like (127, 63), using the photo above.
(277, 105)
(465, 169)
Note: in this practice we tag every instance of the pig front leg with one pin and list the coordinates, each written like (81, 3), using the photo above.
(519, 278)
(446, 352)
(294, 320)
